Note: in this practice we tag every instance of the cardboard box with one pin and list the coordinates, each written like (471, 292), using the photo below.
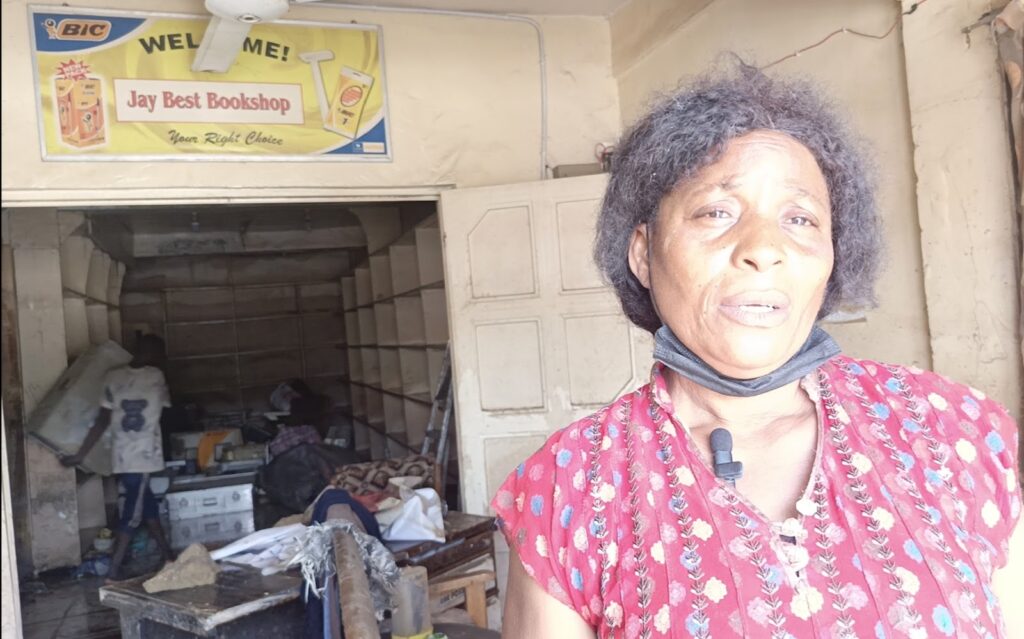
(80, 111)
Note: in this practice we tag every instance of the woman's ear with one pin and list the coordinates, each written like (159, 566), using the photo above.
(639, 255)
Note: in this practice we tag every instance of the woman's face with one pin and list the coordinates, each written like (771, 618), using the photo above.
(739, 255)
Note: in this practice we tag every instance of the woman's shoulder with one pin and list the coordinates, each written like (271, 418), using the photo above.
(912, 395)
(904, 379)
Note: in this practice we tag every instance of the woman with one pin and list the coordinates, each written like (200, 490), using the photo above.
(875, 500)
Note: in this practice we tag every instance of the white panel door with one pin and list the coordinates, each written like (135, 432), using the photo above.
(538, 341)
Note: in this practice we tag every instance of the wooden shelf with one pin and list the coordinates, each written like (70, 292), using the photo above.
(410, 293)
(348, 293)
(405, 272)
(235, 342)
(393, 346)
(251, 318)
(390, 373)
(387, 323)
(380, 277)
(435, 315)
(260, 351)
(364, 290)
(69, 293)
(419, 398)
(377, 428)
(428, 255)
(367, 326)
(396, 322)
(225, 287)
(410, 321)
(355, 363)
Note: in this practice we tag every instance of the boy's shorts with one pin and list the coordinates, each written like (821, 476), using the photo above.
(137, 501)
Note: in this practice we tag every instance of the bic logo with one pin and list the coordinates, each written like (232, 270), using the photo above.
(71, 29)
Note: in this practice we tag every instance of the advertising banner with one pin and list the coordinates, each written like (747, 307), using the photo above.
(118, 86)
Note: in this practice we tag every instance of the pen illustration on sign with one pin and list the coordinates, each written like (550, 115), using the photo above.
(313, 59)
(344, 113)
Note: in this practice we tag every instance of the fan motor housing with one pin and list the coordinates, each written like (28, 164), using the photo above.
(248, 11)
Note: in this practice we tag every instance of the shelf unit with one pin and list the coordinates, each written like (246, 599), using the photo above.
(91, 282)
(228, 346)
(395, 317)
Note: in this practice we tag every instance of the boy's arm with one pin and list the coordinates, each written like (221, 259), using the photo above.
(164, 391)
(98, 426)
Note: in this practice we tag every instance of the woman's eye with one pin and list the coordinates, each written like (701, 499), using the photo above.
(802, 220)
(716, 213)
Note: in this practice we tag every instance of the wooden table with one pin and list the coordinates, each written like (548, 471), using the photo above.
(467, 538)
(243, 603)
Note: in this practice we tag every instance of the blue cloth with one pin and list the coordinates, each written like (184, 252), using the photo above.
(335, 496)
(817, 349)
(138, 501)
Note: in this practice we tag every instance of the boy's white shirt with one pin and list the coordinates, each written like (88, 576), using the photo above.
(136, 397)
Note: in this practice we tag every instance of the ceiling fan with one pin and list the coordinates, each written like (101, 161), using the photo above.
(229, 25)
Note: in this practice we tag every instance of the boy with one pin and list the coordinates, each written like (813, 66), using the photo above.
(133, 398)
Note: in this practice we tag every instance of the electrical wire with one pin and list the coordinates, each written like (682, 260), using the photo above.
(873, 36)
(542, 53)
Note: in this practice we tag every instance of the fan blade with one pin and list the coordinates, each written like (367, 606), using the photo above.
(221, 44)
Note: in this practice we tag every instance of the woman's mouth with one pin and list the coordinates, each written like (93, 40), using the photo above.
(759, 309)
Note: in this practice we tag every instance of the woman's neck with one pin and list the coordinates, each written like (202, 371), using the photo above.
(701, 409)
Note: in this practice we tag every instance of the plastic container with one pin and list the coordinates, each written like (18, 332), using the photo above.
(411, 616)
(102, 545)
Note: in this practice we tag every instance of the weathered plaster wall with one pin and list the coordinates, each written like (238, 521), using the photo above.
(34, 238)
(10, 377)
(10, 604)
(965, 198)
(463, 100)
(866, 79)
(949, 226)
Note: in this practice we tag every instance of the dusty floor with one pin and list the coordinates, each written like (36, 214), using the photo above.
(59, 605)
(62, 607)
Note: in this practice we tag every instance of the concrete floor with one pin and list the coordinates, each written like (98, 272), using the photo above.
(60, 605)
(64, 608)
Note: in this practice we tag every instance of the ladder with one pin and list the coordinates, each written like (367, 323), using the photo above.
(435, 439)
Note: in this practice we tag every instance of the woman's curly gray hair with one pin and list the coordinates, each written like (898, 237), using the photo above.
(689, 130)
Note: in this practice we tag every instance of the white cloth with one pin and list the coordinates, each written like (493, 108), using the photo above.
(259, 541)
(136, 397)
(420, 517)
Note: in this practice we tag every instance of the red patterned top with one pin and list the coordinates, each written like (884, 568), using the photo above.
(909, 509)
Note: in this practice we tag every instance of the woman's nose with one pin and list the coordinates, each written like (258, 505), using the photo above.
(759, 246)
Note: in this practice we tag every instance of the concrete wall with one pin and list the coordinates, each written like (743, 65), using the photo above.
(34, 237)
(658, 44)
(463, 97)
(965, 198)
(10, 604)
(56, 284)
(10, 376)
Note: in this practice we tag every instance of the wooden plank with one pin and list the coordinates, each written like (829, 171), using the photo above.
(353, 589)
(472, 586)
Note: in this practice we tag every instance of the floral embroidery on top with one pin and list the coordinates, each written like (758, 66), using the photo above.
(906, 517)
